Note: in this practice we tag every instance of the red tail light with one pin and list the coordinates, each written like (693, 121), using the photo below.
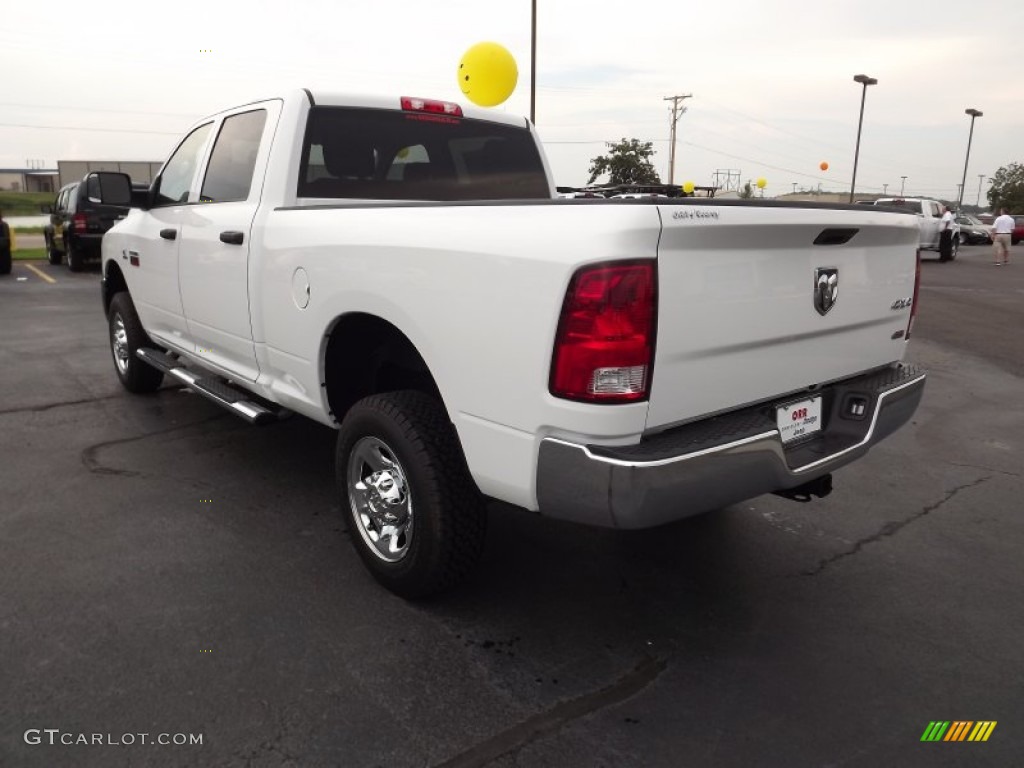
(432, 106)
(78, 222)
(604, 348)
(917, 289)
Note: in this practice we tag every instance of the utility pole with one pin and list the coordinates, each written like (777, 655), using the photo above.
(677, 112)
(533, 62)
(981, 179)
(903, 185)
(794, 187)
(885, 189)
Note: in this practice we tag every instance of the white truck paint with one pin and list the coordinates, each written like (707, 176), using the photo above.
(760, 312)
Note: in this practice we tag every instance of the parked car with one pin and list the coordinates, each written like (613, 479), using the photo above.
(972, 231)
(78, 222)
(1018, 230)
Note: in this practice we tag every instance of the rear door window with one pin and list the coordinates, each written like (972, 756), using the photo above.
(233, 160)
(377, 154)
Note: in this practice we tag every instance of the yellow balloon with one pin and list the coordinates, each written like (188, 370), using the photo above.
(688, 187)
(762, 183)
(487, 74)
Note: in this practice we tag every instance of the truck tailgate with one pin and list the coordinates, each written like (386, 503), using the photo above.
(737, 317)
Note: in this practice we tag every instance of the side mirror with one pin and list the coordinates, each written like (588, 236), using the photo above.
(109, 188)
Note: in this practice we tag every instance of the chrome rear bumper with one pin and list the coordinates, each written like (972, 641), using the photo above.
(719, 461)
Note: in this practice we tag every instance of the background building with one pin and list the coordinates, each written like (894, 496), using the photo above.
(28, 180)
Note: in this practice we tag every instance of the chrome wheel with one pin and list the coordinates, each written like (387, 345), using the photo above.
(379, 496)
(119, 345)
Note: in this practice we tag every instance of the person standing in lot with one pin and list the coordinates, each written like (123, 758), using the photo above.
(5, 247)
(946, 235)
(1002, 230)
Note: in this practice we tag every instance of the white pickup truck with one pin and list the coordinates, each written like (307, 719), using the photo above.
(929, 221)
(399, 269)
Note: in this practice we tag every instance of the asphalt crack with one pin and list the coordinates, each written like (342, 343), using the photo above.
(545, 723)
(890, 529)
(61, 404)
(90, 455)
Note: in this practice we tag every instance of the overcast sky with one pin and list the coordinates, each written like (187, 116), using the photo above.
(771, 81)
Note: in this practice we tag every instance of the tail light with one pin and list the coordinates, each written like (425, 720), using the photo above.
(431, 106)
(917, 289)
(78, 222)
(604, 348)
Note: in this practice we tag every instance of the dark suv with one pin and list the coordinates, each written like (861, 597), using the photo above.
(77, 223)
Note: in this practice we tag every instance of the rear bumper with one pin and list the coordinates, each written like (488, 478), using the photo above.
(719, 461)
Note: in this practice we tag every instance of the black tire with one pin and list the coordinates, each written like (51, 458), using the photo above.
(445, 526)
(73, 255)
(134, 374)
(52, 254)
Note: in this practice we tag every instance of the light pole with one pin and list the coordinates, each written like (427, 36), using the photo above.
(981, 180)
(865, 81)
(533, 62)
(903, 184)
(973, 113)
(885, 189)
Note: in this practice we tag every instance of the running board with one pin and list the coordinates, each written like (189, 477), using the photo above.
(223, 394)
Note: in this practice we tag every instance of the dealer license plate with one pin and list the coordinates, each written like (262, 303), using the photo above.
(799, 419)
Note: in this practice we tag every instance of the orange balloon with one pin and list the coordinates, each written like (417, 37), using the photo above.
(824, 166)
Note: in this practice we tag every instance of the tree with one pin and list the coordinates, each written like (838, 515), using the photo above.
(747, 192)
(1007, 190)
(627, 162)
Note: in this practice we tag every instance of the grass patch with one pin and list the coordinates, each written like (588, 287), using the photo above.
(24, 203)
(28, 230)
(28, 254)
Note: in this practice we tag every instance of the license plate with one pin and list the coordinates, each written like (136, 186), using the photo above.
(799, 419)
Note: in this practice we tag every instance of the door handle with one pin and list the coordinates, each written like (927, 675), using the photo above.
(232, 238)
(168, 234)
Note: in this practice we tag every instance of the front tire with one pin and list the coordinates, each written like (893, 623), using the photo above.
(415, 516)
(52, 254)
(126, 336)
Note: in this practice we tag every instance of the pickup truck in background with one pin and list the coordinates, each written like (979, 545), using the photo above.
(929, 219)
(400, 270)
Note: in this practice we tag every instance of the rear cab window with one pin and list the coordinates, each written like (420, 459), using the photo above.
(377, 154)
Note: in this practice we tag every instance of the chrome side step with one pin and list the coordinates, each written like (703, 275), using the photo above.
(223, 394)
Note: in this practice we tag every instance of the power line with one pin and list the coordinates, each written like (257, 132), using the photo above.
(82, 128)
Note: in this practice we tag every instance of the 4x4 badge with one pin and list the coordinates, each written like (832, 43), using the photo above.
(826, 288)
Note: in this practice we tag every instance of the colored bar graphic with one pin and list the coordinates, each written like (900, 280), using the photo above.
(935, 730)
(982, 730)
(958, 730)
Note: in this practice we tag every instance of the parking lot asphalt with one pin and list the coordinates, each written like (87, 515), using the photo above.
(167, 569)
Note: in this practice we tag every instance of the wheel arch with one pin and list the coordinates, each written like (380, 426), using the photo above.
(112, 284)
(364, 355)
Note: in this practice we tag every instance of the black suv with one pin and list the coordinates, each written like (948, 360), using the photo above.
(77, 223)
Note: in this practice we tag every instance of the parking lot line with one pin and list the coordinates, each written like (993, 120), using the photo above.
(40, 272)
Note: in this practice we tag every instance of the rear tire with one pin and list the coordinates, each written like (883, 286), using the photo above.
(126, 336)
(415, 515)
(73, 255)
